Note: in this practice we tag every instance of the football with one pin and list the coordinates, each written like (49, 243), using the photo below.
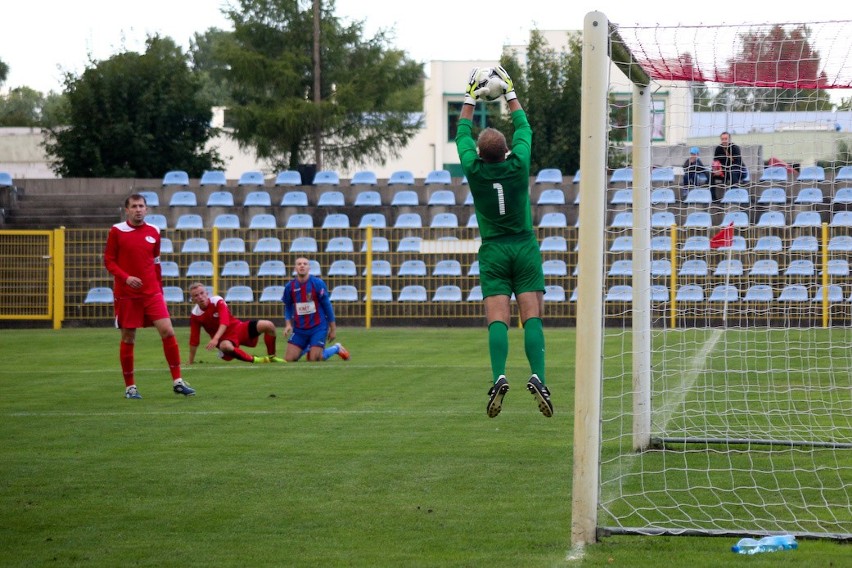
(488, 80)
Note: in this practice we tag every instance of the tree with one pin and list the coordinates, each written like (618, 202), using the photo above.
(21, 107)
(363, 111)
(134, 115)
(202, 50)
(4, 71)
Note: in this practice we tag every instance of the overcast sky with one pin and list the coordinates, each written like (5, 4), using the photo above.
(43, 38)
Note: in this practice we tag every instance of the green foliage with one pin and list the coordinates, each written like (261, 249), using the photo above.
(362, 110)
(213, 74)
(21, 107)
(134, 115)
(4, 71)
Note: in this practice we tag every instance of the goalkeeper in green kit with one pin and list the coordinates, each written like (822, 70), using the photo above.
(509, 257)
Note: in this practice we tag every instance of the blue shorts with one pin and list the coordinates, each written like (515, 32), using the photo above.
(312, 337)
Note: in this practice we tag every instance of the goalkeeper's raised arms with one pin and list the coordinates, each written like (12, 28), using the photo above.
(508, 85)
(470, 94)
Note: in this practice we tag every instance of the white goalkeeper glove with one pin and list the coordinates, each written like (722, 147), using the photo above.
(508, 85)
(470, 92)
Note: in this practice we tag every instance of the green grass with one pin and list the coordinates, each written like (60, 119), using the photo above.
(385, 460)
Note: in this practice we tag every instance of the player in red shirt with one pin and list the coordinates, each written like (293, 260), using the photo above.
(227, 333)
(132, 256)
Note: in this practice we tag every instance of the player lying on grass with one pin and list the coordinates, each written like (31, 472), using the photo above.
(227, 333)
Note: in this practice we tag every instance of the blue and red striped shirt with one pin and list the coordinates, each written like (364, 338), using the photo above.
(307, 304)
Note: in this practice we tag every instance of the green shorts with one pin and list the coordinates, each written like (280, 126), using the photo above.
(510, 265)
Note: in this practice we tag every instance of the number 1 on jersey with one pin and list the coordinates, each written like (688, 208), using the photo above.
(501, 200)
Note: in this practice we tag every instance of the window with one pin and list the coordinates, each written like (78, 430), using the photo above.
(622, 103)
(481, 118)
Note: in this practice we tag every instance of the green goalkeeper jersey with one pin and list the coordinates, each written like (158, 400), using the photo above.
(501, 191)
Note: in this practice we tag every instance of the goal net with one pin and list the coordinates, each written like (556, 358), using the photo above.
(717, 397)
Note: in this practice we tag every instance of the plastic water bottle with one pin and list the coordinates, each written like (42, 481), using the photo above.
(766, 544)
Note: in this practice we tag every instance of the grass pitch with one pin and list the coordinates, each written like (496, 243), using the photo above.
(385, 460)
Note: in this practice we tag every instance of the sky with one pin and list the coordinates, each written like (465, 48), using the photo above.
(43, 39)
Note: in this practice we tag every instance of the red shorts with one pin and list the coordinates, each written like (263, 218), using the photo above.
(132, 313)
(238, 335)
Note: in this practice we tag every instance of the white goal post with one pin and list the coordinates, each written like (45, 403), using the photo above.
(713, 397)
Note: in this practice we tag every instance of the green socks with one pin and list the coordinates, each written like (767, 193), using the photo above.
(498, 347)
(534, 346)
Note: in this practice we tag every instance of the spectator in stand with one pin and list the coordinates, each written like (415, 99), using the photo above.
(227, 333)
(695, 173)
(132, 256)
(727, 165)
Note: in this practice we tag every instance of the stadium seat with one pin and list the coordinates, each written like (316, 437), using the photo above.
(619, 293)
(405, 198)
(662, 175)
(659, 293)
(659, 243)
(662, 196)
(809, 196)
(250, 178)
(343, 267)
(368, 199)
(804, 243)
(331, 199)
(443, 197)
(166, 246)
(151, 198)
(759, 293)
(554, 243)
(621, 268)
(265, 221)
(690, 293)
(364, 177)
(200, 269)
(267, 244)
(444, 221)
(623, 243)
(700, 219)
(843, 196)
(472, 221)
(554, 293)
(272, 269)
(811, 173)
(315, 268)
(379, 268)
(376, 220)
(738, 243)
(340, 244)
(198, 245)
(226, 221)
(239, 294)
(99, 295)
(661, 267)
(300, 221)
(258, 199)
(272, 294)
(402, 177)
(729, 267)
(294, 199)
(173, 294)
(793, 293)
(771, 219)
(447, 267)
(807, 219)
(326, 177)
(336, 221)
(440, 177)
(840, 243)
(552, 196)
(183, 199)
(169, 269)
(236, 268)
(409, 244)
(843, 174)
(696, 243)
(622, 175)
(303, 245)
(576, 177)
(214, 178)
(176, 177)
(841, 219)
(768, 243)
(800, 267)
(220, 199)
(189, 221)
(622, 220)
(662, 219)
(344, 293)
(764, 267)
(774, 173)
(552, 267)
(835, 293)
(232, 245)
(412, 267)
(412, 293)
(468, 200)
(408, 221)
(838, 267)
(447, 293)
(738, 218)
(157, 220)
(380, 293)
(693, 267)
(475, 294)
(549, 175)
(622, 197)
(698, 196)
(736, 196)
(378, 244)
(772, 196)
(724, 293)
(288, 177)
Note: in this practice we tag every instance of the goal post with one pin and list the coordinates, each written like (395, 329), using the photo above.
(712, 397)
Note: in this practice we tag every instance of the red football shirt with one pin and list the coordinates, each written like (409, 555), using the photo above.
(134, 251)
(210, 318)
